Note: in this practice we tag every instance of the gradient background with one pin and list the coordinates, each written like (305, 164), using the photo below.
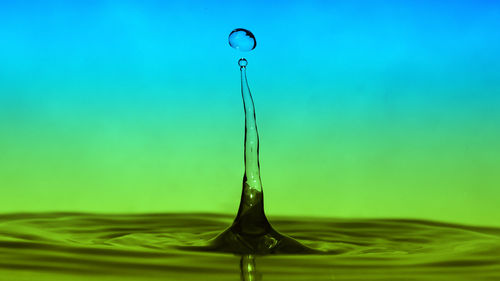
(365, 109)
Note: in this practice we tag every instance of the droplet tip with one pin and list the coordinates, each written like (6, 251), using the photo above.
(242, 62)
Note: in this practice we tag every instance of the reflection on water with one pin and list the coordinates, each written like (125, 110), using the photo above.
(71, 246)
(248, 269)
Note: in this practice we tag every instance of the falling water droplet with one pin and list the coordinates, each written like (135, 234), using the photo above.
(242, 39)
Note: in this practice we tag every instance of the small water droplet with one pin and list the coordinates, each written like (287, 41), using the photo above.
(242, 39)
(242, 62)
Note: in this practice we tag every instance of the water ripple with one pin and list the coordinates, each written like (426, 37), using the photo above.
(59, 246)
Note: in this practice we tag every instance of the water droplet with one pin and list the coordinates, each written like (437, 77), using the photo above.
(242, 62)
(242, 39)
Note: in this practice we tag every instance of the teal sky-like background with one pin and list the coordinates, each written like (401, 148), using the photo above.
(365, 108)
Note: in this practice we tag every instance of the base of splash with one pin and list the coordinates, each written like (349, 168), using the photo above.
(270, 242)
(251, 233)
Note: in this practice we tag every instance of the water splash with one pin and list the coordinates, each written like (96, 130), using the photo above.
(251, 232)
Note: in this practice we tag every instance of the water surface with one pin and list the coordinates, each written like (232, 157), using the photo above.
(78, 246)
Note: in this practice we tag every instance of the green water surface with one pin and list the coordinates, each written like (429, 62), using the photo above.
(77, 246)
